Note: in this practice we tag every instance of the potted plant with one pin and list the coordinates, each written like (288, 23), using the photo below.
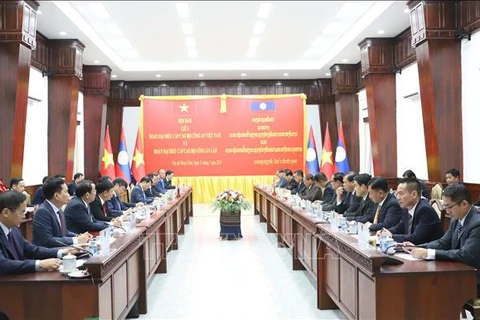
(231, 203)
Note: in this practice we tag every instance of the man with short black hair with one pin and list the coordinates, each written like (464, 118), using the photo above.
(48, 227)
(337, 183)
(298, 176)
(77, 178)
(452, 176)
(420, 223)
(116, 207)
(168, 179)
(99, 207)
(281, 181)
(17, 255)
(311, 192)
(366, 209)
(388, 213)
(291, 182)
(348, 201)
(138, 192)
(461, 242)
(39, 197)
(326, 186)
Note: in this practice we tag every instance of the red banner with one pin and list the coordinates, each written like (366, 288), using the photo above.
(195, 137)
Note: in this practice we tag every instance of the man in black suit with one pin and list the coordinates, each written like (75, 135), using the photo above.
(461, 242)
(153, 191)
(78, 214)
(116, 207)
(298, 176)
(138, 192)
(168, 179)
(49, 227)
(99, 206)
(39, 197)
(281, 181)
(337, 183)
(366, 208)
(161, 184)
(291, 182)
(77, 178)
(347, 200)
(388, 213)
(17, 255)
(311, 192)
(326, 186)
(420, 222)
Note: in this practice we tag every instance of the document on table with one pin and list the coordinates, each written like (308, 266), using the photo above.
(406, 256)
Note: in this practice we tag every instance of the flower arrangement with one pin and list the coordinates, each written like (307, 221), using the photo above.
(231, 201)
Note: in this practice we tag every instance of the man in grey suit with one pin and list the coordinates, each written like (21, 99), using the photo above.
(462, 240)
(311, 192)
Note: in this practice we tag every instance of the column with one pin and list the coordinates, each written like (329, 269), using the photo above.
(344, 88)
(96, 84)
(433, 25)
(18, 22)
(377, 59)
(63, 87)
(327, 113)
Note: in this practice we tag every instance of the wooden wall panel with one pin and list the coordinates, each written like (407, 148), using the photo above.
(468, 15)
(404, 52)
(40, 56)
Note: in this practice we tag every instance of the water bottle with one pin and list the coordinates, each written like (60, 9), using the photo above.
(383, 243)
(93, 247)
(110, 228)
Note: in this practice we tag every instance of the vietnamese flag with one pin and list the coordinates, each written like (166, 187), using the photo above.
(107, 166)
(122, 167)
(138, 162)
(327, 159)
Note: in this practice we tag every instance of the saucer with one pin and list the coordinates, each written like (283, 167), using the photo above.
(60, 269)
(79, 274)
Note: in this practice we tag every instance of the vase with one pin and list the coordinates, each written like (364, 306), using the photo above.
(230, 225)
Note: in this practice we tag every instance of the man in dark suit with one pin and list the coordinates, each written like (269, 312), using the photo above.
(347, 200)
(49, 227)
(168, 179)
(461, 242)
(39, 197)
(298, 176)
(388, 213)
(420, 222)
(77, 178)
(77, 213)
(366, 209)
(311, 192)
(161, 184)
(326, 186)
(281, 181)
(153, 191)
(17, 255)
(291, 182)
(116, 207)
(337, 183)
(138, 192)
(99, 206)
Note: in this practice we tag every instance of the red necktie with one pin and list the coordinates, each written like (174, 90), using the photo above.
(62, 223)
(104, 208)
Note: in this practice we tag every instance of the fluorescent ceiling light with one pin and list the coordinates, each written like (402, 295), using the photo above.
(243, 75)
(254, 42)
(251, 52)
(332, 27)
(381, 31)
(190, 42)
(99, 10)
(259, 27)
(187, 28)
(120, 43)
(158, 75)
(200, 75)
(62, 33)
(192, 53)
(182, 10)
(96, 61)
(114, 76)
(344, 60)
(348, 10)
(285, 74)
(264, 10)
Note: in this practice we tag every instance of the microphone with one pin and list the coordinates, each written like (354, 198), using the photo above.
(119, 227)
(90, 253)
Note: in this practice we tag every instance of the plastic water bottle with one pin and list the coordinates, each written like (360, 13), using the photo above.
(383, 243)
(110, 228)
(93, 247)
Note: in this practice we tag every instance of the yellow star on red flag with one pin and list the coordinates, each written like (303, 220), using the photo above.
(107, 159)
(184, 108)
(326, 157)
(138, 158)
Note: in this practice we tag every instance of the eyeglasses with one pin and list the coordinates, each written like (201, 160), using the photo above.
(19, 212)
(445, 207)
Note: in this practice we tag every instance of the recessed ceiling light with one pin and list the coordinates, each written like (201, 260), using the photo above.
(406, 10)
(187, 28)
(200, 75)
(158, 75)
(259, 27)
(264, 10)
(285, 74)
(381, 31)
(344, 60)
(251, 52)
(190, 42)
(39, 12)
(114, 76)
(96, 61)
(254, 42)
(62, 33)
(182, 10)
(328, 74)
(243, 75)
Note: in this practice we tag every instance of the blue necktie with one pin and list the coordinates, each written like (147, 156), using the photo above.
(117, 200)
(13, 249)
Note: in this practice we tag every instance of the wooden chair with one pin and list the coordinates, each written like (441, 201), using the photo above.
(436, 193)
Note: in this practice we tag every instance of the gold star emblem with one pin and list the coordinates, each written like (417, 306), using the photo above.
(138, 158)
(326, 157)
(107, 159)
(184, 108)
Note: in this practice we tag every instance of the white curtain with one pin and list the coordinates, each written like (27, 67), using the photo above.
(79, 158)
(366, 159)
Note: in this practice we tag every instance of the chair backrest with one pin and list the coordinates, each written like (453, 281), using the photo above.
(437, 192)
(437, 209)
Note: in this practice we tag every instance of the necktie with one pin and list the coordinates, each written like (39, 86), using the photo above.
(13, 249)
(104, 207)
(459, 234)
(89, 213)
(410, 223)
(375, 220)
(117, 201)
(62, 222)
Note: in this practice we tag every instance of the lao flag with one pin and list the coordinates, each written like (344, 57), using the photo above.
(327, 159)
(312, 158)
(341, 160)
(262, 106)
(122, 168)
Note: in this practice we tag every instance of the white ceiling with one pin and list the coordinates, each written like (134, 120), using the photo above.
(145, 40)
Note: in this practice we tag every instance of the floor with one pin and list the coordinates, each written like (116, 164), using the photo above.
(247, 278)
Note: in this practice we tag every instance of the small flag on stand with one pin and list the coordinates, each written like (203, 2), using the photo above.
(327, 159)
(122, 168)
(138, 163)
(341, 160)
(312, 158)
(107, 166)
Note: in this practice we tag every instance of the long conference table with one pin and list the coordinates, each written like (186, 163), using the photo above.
(118, 280)
(363, 282)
